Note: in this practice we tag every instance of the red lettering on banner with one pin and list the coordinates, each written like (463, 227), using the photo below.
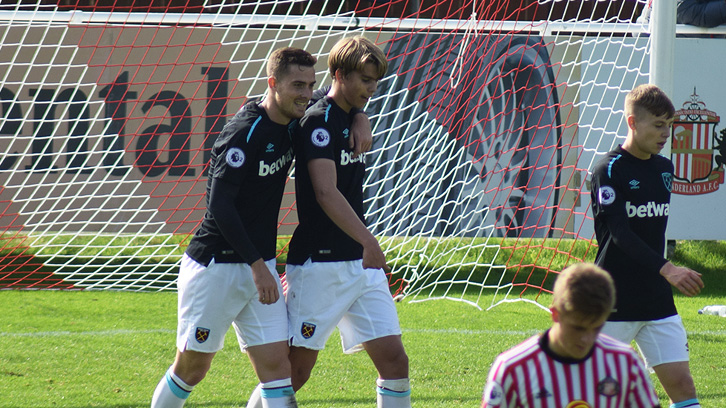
(695, 188)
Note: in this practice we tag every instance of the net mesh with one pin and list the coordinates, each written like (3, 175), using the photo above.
(484, 129)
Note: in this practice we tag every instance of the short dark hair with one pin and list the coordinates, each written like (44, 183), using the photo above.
(281, 59)
(651, 99)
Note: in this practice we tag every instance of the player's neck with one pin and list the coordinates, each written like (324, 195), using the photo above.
(274, 112)
(631, 148)
(336, 94)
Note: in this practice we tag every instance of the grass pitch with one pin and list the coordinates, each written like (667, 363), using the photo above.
(109, 349)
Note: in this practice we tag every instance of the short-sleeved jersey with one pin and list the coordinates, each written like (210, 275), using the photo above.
(625, 186)
(253, 153)
(323, 134)
(531, 375)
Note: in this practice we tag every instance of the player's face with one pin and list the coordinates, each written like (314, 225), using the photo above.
(359, 86)
(573, 335)
(293, 91)
(648, 134)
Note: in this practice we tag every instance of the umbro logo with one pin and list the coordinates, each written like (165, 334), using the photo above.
(346, 133)
(543, 394)
(634, 184)
(270, 148)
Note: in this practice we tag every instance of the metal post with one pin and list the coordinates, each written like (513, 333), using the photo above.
(662, 44)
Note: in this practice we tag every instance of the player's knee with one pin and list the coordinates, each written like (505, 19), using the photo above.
(300, 375)
(393, 365)
(399, 365)
(190, 375)
(684, 384)
(191, 370)
(678, 383)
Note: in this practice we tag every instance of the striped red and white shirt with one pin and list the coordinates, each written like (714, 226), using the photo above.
(531, 375)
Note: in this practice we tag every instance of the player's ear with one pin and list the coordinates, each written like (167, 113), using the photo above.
(271, 82)
(555, 314)
(631, 121)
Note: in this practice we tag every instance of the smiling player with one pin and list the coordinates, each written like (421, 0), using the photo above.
(335, 266)
(228, 275)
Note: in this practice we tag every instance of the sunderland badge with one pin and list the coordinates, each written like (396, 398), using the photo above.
(608, 387)
(698, 151)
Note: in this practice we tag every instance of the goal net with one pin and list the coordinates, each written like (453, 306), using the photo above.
(485, 126)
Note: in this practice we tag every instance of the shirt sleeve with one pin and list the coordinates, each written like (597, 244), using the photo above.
(222, 208)
(494, 395)
(234, 160)
(316, 140)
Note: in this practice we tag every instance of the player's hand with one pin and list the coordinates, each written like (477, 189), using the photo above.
(686, 280)
(265, 283)
(373, 256)
(361, 135)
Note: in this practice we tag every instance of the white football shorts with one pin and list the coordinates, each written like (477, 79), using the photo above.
(323, 295)
(659, 341)
(222, 294)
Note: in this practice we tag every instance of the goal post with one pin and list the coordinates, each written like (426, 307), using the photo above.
(484, 130)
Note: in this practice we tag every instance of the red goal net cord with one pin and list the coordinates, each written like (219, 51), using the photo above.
(110, 111)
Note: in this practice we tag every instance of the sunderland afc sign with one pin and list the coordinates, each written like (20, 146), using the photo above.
(696, 149)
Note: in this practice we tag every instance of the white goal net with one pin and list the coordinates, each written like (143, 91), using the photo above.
(490, 116)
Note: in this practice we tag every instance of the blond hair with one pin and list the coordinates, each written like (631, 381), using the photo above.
(584, 288)
(352, 53)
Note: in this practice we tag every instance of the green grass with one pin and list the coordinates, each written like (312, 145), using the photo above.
(153, 258)
(109, 349)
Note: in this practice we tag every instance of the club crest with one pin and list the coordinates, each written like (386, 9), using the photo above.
(667, 180)
(201, 334)
(608, 387)
(307, 330)
(697, 152)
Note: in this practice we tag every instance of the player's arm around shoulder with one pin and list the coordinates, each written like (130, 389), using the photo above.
(323, 177)
(361, 134)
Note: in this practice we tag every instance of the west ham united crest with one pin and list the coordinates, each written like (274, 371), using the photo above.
(697, 150)
(201, 334)
(307, 330)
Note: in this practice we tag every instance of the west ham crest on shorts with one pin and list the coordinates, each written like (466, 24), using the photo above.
(307, 330)
(202, 334)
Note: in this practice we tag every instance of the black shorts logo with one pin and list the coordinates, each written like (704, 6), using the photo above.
(202, 334)
(307, 330)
